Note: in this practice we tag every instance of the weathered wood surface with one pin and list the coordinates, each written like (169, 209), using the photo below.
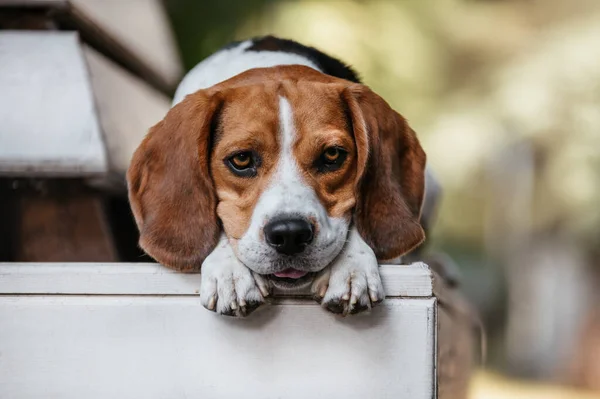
(126, 106)
(456, 358)
(60, 220)
(143, 29)
(63, 230)
(136, 33)
(153, 279)
(29, 3)
(48, 124)
(165, 344)
(66, 110)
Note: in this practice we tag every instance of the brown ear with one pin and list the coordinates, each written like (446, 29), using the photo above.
(391, 177)
(170, 189)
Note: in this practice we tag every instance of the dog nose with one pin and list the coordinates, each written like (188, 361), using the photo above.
(289, 236)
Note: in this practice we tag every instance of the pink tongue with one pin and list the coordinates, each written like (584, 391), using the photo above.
(291, 273)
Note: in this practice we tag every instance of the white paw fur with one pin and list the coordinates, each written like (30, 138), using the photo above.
(227, 286)
(352, 283)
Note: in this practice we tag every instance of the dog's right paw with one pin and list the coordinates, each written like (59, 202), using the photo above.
(227, 286)
(352, 283)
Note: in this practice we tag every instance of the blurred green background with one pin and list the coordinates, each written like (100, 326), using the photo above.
(505, 96)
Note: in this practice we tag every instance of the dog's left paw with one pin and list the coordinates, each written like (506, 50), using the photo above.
(352, 283)
(227, 286)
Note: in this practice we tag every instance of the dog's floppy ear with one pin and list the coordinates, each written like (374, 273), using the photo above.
(390, 178)
(170, 188)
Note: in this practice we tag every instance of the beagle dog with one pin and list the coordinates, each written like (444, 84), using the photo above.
(276, 167)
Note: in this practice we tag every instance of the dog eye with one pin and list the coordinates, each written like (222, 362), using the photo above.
(331, 159)
(331, 154)
(242, 163)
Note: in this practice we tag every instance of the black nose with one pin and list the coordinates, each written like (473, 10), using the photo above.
(289, 236)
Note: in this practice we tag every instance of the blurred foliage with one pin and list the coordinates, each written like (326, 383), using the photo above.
(203, 26)
(492, 386)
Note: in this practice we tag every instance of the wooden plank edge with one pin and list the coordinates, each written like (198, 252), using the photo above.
(33, 3)
(71, 17)
(88, 160)
(413, 280)
(113, 48)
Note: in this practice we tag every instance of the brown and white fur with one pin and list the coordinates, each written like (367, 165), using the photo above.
(284, 107)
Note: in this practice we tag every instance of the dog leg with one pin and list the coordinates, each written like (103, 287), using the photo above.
(227, 286)
(352, 283)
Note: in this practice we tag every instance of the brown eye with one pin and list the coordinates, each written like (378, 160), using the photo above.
(331, 154)
(331, 159)
(243, 164)
(242, 160)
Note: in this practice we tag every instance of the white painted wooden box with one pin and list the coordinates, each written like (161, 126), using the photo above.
(139, 331)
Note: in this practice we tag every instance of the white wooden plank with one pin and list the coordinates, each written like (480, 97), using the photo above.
(47, 122)
(152, 279)
(170, 347)
(127, 107)
(148, 36)
(145, 43)
(33, 2)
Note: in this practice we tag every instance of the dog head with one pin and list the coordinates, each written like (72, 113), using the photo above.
(282, 160)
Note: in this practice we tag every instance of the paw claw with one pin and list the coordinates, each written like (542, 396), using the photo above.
(374, 297)
(263, 285)
(322, 291)
(212, 303)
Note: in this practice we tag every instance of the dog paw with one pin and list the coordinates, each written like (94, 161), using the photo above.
(352, 283)
(228, 287)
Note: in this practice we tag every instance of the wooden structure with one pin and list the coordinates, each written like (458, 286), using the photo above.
(138, 330)
(82, 81)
